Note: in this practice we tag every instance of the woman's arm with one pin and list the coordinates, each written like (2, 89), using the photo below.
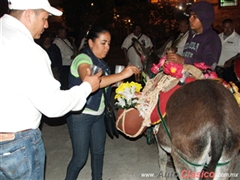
(109, 79)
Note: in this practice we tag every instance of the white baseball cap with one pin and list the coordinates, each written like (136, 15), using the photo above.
(33, 4)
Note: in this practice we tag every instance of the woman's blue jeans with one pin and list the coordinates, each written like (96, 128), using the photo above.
(24, 157)
(87, 132)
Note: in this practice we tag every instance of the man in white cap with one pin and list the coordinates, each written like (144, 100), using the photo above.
(28, 89)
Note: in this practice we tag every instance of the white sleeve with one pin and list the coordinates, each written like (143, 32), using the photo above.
(148, 42)
(44, 91)
(83, 91)
(238, 44)
(127, 42)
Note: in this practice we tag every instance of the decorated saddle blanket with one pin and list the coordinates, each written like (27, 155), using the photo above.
(163, 99)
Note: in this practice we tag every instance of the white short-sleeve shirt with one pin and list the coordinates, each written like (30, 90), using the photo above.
(230, 47)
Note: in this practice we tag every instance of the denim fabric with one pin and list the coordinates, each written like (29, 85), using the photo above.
(23, 158)
(87, 132)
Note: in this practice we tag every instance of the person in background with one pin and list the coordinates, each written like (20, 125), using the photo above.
(87, 129)
(54, 55)
(203, 43)
(84, 43)
(152, 38)
(28, 89)
(179, 43)
(130, 54)
(67, 53)
(230, 42)
(71, 36)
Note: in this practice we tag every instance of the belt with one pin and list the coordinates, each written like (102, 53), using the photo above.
(8, 136)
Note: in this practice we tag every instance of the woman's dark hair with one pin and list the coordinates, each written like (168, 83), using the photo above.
(95, 31)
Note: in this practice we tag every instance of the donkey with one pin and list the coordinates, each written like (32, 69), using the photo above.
(204, 133)
(201, 129)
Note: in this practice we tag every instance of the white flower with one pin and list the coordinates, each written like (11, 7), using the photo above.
(125, 95)
(129, 93)
(142, 106)
(121, 102)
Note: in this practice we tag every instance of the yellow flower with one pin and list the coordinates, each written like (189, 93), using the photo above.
(173, 70)
(123, 86)
(237, 97)
(125, 94)
(117, 96)
(137, 85)
(235, 92)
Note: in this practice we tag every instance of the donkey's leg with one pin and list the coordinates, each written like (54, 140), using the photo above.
(225, 172)
(162, 162)
(184, 170)
(164, 146)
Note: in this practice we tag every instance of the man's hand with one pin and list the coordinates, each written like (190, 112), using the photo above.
(175, 58)
(94, 80)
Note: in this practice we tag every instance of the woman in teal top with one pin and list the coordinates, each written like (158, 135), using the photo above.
(87, 128)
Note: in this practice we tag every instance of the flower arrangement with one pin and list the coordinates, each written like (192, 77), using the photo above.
(206, 70)
(176, 70)
(129, 120)
(126, 95)
(233, 89)
(156, 68)
(171, 68)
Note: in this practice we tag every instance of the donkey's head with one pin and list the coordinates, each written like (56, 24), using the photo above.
(147, 57)
(150, 57)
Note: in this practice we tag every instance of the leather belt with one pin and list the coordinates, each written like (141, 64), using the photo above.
(8, 136)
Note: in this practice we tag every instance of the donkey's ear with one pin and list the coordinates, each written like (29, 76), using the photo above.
(139, 47)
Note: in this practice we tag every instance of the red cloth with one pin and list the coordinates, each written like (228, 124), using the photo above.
(164, 96)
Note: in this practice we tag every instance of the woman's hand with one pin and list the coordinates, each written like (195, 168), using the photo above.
(129, 71)
(113, 78)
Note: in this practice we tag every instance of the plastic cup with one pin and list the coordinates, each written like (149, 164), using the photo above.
(95, 69)
(138, 77)
(118, 69)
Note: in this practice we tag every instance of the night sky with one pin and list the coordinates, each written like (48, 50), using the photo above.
(3, 7)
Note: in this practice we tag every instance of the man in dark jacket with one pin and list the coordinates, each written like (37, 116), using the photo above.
(203, 43)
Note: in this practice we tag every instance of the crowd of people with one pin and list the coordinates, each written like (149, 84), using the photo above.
(196, 29)
(55, 78)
